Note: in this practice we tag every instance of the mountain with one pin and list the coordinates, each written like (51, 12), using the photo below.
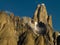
(15, 30)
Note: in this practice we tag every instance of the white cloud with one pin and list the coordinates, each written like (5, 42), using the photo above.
(8, 12)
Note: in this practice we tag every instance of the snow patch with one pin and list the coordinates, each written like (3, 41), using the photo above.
(59, 34)
(38, 5)
(43, 4)
(36, 25)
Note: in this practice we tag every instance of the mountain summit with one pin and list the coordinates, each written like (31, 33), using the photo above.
(41, 13)
(15, 30)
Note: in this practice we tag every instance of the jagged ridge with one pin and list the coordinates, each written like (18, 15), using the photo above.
(28, 31)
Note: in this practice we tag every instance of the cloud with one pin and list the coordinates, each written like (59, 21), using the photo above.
(8, 12)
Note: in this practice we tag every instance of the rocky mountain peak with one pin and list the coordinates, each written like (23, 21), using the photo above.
(38, 5)
(38, 30)
(41, 13)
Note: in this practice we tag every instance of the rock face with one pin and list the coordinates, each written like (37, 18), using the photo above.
(7, 31)
(28, 31)
(41, 13)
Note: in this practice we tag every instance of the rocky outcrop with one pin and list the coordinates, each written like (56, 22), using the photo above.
(41, 13)
(7, 31)
(38, 30)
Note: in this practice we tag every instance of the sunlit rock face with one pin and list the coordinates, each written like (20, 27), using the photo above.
(7, 31)
(15, 30)
(40, 14)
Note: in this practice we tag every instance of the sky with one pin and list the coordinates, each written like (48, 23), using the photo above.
(27, 7)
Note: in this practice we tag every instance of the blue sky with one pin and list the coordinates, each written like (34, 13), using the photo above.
(27, 8)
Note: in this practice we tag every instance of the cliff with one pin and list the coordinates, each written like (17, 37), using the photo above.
(15, 30)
